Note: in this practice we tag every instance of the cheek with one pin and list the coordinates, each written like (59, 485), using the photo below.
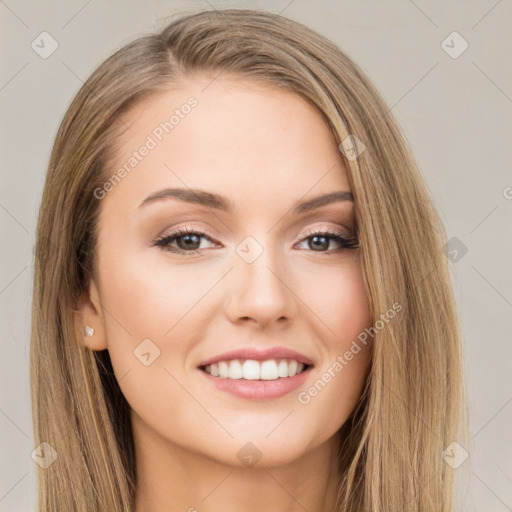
(151, 311)
(337, 297)
(349, 310)
(156, 311)
(147, 298)
(343, 314)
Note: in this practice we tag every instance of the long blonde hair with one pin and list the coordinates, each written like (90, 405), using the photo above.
(413, 404)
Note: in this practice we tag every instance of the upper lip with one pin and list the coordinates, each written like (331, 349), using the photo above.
(259, 355)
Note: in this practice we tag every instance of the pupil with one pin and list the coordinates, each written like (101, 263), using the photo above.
(187, 240)
(323, 245)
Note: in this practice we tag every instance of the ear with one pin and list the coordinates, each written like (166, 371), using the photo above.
(90, 313)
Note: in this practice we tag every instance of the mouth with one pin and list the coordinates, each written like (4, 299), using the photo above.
(257, 375)
(253, 370)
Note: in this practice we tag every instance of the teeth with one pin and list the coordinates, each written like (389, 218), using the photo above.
(282, 369)
(250, 369)
(223, 370)
(269, 370)
(235, 370)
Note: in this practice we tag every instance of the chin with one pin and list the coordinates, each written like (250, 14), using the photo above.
(261, 450)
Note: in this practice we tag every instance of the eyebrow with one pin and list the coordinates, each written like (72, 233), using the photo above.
(221, 203)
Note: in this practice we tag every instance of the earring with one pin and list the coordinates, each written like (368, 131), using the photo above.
(88, 331)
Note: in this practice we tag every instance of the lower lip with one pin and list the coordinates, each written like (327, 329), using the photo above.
(259, 389)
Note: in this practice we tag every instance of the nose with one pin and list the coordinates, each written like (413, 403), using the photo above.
(261, 291)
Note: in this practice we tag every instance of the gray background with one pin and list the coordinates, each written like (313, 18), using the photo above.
(455, 113)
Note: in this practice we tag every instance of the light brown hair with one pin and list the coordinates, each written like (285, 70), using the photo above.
(413, 405)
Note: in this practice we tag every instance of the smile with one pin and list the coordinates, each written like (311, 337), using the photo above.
(250, 369)
(257, 373)
(257, 380)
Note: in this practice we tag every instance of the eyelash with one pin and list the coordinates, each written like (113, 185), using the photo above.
(164, 241)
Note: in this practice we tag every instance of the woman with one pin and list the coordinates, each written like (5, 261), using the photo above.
(240, 297)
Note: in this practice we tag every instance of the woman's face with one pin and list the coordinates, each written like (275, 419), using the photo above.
(180, 317)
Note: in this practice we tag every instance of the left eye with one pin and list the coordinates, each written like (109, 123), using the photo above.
(189, 242)
(322, 240)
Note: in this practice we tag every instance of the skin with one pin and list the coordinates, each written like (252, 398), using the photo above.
(264, 149)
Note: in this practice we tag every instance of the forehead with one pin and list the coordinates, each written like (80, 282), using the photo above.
(239, 138)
